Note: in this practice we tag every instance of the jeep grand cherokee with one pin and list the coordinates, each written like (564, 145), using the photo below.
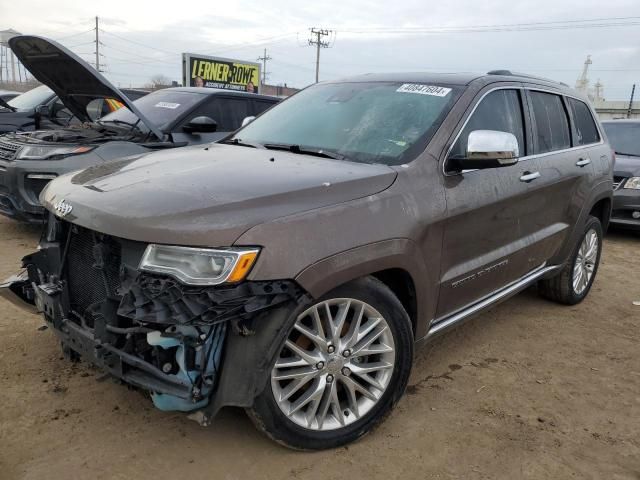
(291, 269)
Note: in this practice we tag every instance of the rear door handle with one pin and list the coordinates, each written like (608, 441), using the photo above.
(583, 162)
(529, 176)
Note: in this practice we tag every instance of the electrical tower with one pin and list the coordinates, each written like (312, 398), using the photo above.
(319, 43)
(264, 59)
(582, 85)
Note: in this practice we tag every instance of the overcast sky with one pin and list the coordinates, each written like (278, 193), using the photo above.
(144, 38)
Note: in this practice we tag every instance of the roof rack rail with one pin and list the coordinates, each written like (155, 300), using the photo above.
(509, 73)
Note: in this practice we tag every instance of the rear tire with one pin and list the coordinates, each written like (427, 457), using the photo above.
(348, 405)
(574, 281)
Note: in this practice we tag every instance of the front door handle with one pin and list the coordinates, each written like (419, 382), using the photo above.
(583, 162)
(529, 176)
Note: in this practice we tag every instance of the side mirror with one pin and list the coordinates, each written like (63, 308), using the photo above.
(201, 125)
(488, 149)
(43, 110)
(247, 121)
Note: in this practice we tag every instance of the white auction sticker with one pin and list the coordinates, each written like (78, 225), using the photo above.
(172, 106)
(424, 89)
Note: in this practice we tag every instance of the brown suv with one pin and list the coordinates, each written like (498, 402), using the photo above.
(290, 269)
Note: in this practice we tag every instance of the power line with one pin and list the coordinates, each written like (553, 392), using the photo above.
(140, 43)
(539, 26)
(555, 22)
(74, 35)
(319, 43)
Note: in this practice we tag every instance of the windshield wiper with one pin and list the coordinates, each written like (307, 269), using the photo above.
(238, 141)
(628, 154)
(304, 151)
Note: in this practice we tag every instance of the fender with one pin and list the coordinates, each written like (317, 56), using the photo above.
(397, 253)
(603, 190)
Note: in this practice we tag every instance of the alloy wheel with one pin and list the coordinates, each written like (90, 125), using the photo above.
(585, 263)
(335, 365)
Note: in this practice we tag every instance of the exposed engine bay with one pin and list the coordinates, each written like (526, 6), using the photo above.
(94, 132)
(147, 330)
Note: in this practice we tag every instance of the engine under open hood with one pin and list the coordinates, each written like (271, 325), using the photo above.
(74, 81)
(207, 196)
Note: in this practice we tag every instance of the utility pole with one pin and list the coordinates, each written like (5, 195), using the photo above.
(97, 46)
(264, 59)
(633, 91)
(319, 33)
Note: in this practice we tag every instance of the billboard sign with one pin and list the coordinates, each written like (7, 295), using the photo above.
(216, 72)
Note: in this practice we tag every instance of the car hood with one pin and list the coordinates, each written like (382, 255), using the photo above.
(207, 196)
(626, 166)
(74, 81)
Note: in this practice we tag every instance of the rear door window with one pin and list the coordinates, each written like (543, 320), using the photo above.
(551, 122)
(233, 111)
(500, 110)
(586, 130)
(260, 106)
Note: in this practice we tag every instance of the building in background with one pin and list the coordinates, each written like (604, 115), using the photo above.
(278, 90)
(606, 109)
(615, 109)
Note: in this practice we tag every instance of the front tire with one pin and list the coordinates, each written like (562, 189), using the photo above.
(344, 364)
(574, 281)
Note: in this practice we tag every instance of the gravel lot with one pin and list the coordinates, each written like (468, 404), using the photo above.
(528, 390)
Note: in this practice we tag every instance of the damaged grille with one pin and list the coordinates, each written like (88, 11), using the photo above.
(8, 149)
(92, 268)
(98, 267)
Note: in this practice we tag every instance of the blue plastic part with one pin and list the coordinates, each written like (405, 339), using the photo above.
(171, 403)
(167, 402)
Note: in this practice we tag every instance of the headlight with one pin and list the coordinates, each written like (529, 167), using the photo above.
(199, 266)
(633, 183)
(42, 152)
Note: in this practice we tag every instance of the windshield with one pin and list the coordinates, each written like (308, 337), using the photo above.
(162, 108)
(31, 99)
(624, 137)
(371, 122)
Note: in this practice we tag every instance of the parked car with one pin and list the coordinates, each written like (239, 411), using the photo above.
(291, 268)
(167, 118)
(6, 95)
(41, 109)
(624, 136)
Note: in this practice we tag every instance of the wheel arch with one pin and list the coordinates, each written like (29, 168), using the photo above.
(397, 263)
(601, 209)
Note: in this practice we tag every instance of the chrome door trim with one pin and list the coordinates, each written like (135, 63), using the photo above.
(443, 324)
(527, 157)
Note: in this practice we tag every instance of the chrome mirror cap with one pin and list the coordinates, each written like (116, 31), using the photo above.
(493, 145)
(247, 120)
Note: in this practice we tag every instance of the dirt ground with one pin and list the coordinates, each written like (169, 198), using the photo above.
(528, 390)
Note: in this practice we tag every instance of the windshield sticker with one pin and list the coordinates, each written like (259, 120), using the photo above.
(172, 106)
(424, 89)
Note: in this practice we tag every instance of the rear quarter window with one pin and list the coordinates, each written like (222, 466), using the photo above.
(551, 122)
(586, 130)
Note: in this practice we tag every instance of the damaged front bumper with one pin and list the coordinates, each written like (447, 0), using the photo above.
(191, 347)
